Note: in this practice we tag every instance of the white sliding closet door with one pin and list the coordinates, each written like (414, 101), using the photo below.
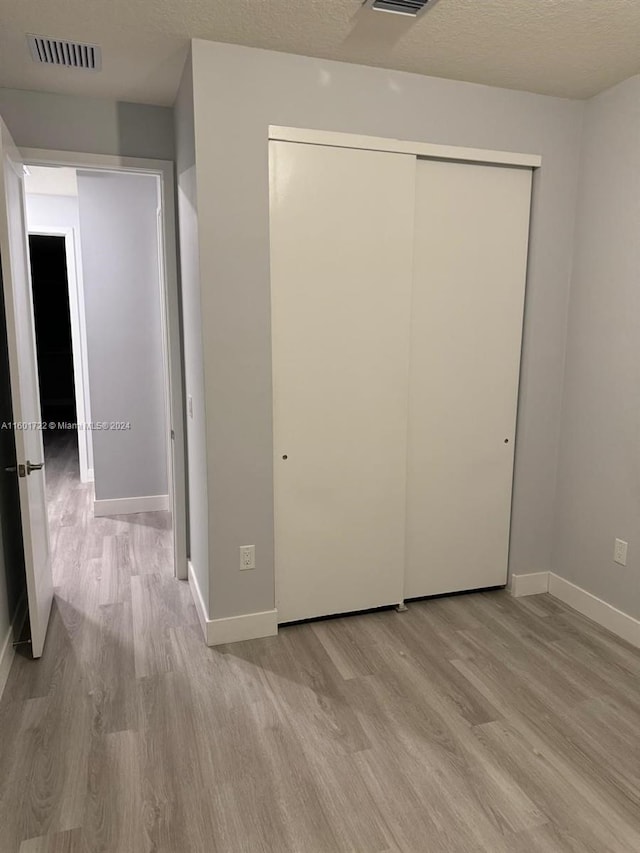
(341, 272)
(470, 257)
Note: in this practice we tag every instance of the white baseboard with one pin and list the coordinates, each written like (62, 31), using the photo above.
(232, 629)
(198, 600)
(248, 626)
(595, 608)
(579, 599)
(128, 506)
(531, 584)
(7, 651)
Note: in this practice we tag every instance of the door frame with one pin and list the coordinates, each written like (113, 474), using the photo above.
(75, 287)
(170, 303)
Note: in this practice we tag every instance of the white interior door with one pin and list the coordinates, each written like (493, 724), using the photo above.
(470, 258)
(341, 247)
(16, 279)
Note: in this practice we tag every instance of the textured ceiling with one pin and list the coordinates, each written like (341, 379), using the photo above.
(572, 48)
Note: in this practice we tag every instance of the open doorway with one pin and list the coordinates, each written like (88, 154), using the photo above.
(53, 327)
(54, 348)
(99, 300)
(105, 550)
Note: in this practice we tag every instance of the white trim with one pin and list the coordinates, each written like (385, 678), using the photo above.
(530, 584)
(8, 652)
(164, 169)
(248, 626)
(198, 600)
(82, 160)
(401, 146)
(579, 599)
(232, 629)
(595, 608)
(75, 287)
(129, 506)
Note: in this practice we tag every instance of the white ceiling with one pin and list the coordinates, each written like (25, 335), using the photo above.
(572, 48)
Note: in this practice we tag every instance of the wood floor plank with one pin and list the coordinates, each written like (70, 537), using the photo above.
(70, 841)
(572, 806)
(114, 819)
(470, 724)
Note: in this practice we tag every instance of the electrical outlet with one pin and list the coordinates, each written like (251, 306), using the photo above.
(247, 557)
(620, 552)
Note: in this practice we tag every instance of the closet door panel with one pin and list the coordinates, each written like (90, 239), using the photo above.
(470, 257)
(341, 276)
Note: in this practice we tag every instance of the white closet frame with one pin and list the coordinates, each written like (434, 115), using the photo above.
(401, 146)
(420, 150)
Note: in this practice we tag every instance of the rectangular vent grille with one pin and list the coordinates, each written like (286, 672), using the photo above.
(401, 7)
(70, 54)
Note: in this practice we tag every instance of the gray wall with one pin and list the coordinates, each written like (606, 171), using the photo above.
(89, 125)
(238, 93)
(598, 495)
(119, 238)
(192, 331)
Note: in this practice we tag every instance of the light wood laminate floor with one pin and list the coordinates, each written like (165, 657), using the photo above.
(470, 723)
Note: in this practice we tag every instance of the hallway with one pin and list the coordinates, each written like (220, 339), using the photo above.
(67, 719)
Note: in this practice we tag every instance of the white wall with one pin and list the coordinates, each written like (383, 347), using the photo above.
(192, 331)
(238, 92)
(90, 125)
(598, 495)
(48, 210)
(119, 238)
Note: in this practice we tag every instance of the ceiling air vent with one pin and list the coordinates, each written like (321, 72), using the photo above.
(401, 7)
(70, 54)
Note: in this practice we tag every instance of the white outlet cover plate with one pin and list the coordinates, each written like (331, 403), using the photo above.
(247, 557)
(620, 552)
